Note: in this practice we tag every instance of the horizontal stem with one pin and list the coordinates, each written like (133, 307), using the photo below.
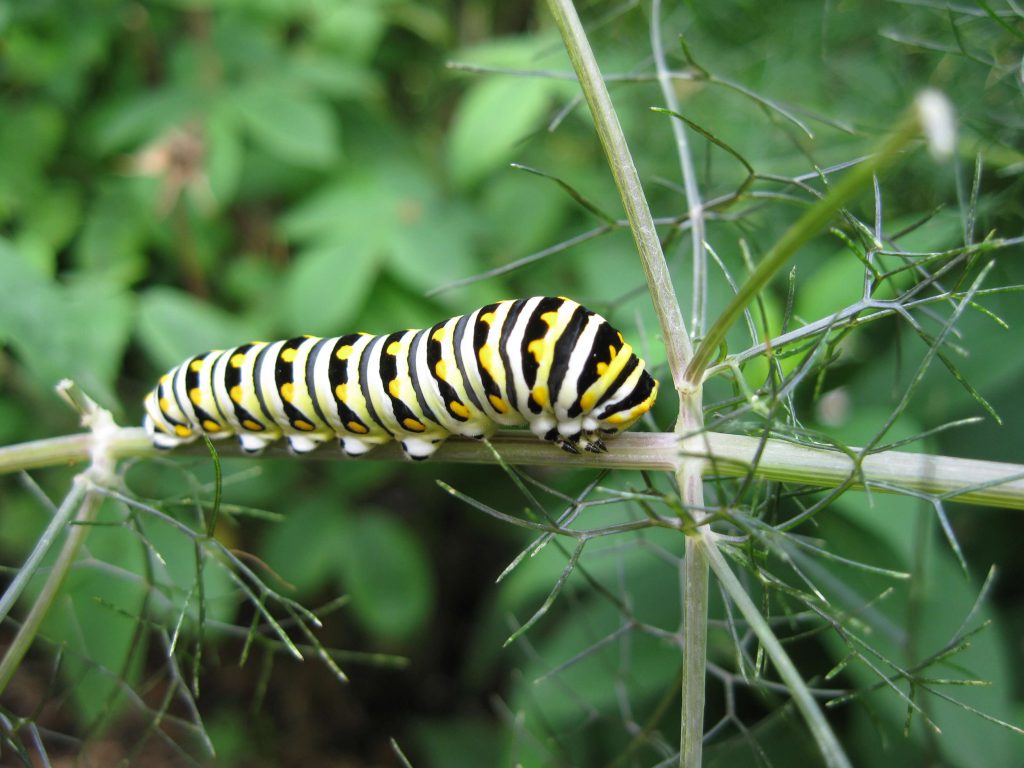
(971, 481)
(987, 483)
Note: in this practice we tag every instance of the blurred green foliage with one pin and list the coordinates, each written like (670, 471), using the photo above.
(191, 174)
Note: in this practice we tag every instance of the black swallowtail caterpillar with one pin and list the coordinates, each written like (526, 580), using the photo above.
(544, 361)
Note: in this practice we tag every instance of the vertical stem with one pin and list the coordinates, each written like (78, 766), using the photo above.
(695, 629)
(690, 478)
(690, 422)
(678, 351)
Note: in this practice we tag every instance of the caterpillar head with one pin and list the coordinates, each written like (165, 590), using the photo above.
(628, 403)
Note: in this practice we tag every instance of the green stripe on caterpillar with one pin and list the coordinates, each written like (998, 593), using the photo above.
(546, 362)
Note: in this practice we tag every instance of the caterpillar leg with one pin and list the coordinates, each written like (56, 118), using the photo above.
(563, 442)
(545, 427)
(353, 446)
(577, 442)
(419, 448)
(252, 443)
(303, 444)
(567, 445)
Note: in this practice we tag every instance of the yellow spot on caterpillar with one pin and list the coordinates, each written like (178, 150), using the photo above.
(344, 353)
(458, 409)
(304, 425)
(536, 348)
(164, 404)
(395, 389)
(438, 335)
(341, 391)
(182, 431)
(287, 391)
(540, 395)
(621, 340)
(498, 403)
(196, 366)
(236, 393)
(486, 355)
(165, 378)
(210, 425)
(601, 368)
(616, 418)
(551, 318)
(441, 370)
(195, 395)
(252, 426)
(237, 360)
(587, 401)
(488, 318)
(288, 355)
(355, 426)
(393, 347)
(612, 352)
(413, 425)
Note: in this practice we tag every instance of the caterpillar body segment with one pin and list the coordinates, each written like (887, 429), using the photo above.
(544, 362)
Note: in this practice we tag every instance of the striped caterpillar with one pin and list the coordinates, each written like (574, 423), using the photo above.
(544, 361)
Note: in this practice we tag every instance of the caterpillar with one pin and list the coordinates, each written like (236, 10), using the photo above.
(547, 362)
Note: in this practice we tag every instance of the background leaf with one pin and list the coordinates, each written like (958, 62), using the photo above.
(295, 128)
(387, 573)
(492, 121)
(173, 326)
(327, 287)
(57, 331)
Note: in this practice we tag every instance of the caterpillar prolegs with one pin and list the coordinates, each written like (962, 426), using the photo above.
(546, 362)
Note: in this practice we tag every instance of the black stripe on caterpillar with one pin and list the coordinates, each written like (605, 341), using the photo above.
(546, 362)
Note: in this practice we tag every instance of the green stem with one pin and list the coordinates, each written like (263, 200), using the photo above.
(695, 631)
(678, 351)
(807, 226)
(690, 478)
(827, 743)
(986, 483)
